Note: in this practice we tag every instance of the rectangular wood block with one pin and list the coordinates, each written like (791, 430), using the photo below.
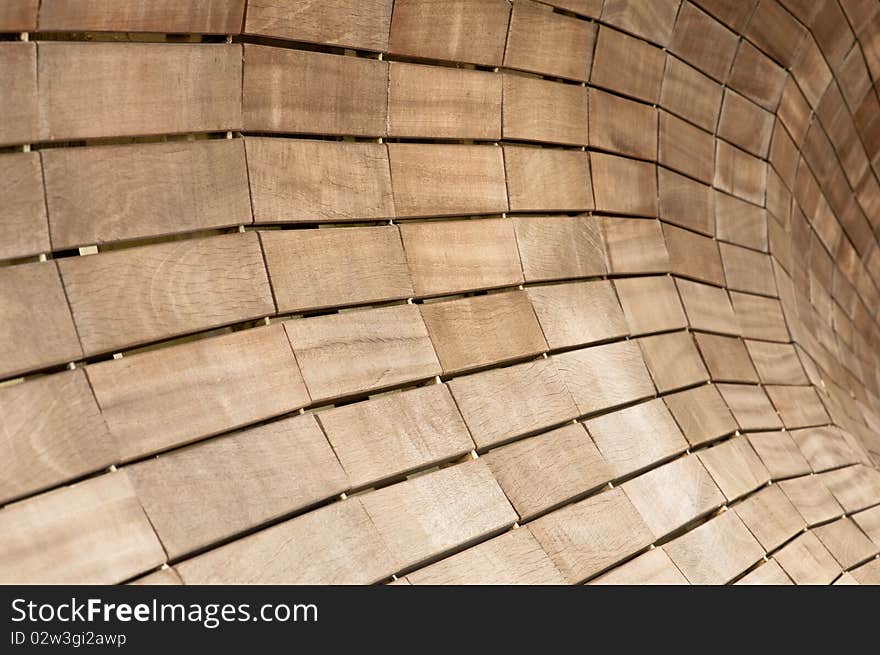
(760, 317)
(726, 358)
(168, 397)
(780, 454)
(622, 126)
(771, 517)
(545, 179)
(693, 255)
(559, 247)
(703, 42)
(673, 360)
(747, 270)
(167, 188)
(807, 561)
(688, 93)
(361, 351)
(578, 313)
(447, 179)
(855, 487)
(751, 407)
(740, 174)
(798, 406)
(469, 333)
(298, 91)
(24, 227)
(19, 15)
(869, 521)
(634, 245)
(686, 149)
(651, 568)
(18, 104)
(846, 542)
(735, 467)
(651, 20)
(702, 414)
(313, 269)
(686, 203)
(170, 16)
(123, 298)
(624, 186)
(740, 222)
(757, 77)
(825, 447)
(302, 181)
(708, 308)
(543, 110)
(90, 90)
(627, 65)
(776, 31)
(811, 498)
(650, 304)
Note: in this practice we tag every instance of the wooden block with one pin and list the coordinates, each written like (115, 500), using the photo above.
(51, 431)
(18, 105)
(464, 499)
(759, 317)
(776, 32)
(735, 467)
(606, 376)
(501, 404)
(685, 202)
(346, 23)
(23, 223)
(807, 561)
(740, 222)
(798, 406)
(692, 255)
(740, 174)
(685, 148)
(673, 360)
(715, 552)
(514, 558)
(708, 308)
(651, 568)
(312, 269)
(634, 245)
(812, 499)
(702, 414)
(769, 573)
(623, 126)
(726, 358)
(447, 180)
(544, 179)
(688, 93)
(751, 407)
(627, 65)
(361, 351)
(454, 256)
(19, 15)
(201, 17)
(94, 532)
(168, 188)
(294, 180)
(748, 270)
(544, 111)
(846, 542)
(745, 124)
(578, 313)
(589, 537)
(441, 102)
(733, 13)
(171, 396)
(771, 517)
(443, 29)
(703, 42)
(650, 304)
(855, 487)
(36, 329)
(470, 333)
(867, 574)
(542, 41)
(869, 522)
(162, 577)
(123, 298)
(89, 90)
(559, 247)
(653, 21)
(824, 448)
(757, 76)
(298, 91)
(337, 544)
(673, 495)
(624, 186)
(780, 454)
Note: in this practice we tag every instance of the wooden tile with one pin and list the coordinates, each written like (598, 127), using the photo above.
(512, 558)
(685, 148)
(811, 72)
(542, 110)
(18, 78)
(442, 102)
(673, 360)
(346, 23)
(171, 396)
(168, 188)
(693, 255)
(740, 174)
(869, 522)
(740, 222)
(464, 498)
(776, 32)
(295, 180)
(542, 41)
(855, 487)
(848, 579)
(24, 228)
(748, 270)
(673, 495)
(606, 376)
(590, 8)
(361, 351)
(745, 124)
(559, 247)
(769, 573)
(771, 517)
(653, 21)
(634, 245)
(688, 93)
(447, 180)
(798, 406)
(544, 179)
(751, 407)
(132, 296)
(211, 17)
(452, 256)
(19, 16)
(702, 414)
(807, 561)
(204, 494)
(812, 499)
(627, 65)
(634, 438)
(432, 30)
(846, 542)
(650, 304)
(588, 537)
(685, 202)
(87, 90)
(757, 77)
(623, 126)
(726, 358)
(735, 467)
(337, 544)
(504, 403)
(867, 574)
(759, 317)
(652, 568)
(824, 448)
(624, 186)
(297, 91)
(51, 431)
(164, 577)
(578, 313)
(94, 532)
(36, 329)
(780, 454)
(708, 308)
(703, 42)
(542, 472)
(459, 328)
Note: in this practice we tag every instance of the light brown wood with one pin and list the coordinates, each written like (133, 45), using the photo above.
(708, 308)
(824, 448)
(686, 203)
(745, 124)
(195, 17)
(776, 31)
(24, 227)
(686, 149)
(653, 21)
(19, 15)
(780, 454)
(542, 110)
(807, 561)
(545, 179)
(855, 487)
(94, 532)
(751, 407)
(577, 313)
(634, 245)
(652, 568)
(798, 406)
(869, 522)
(739, 173)
(735, 467)
(622, 126)
(726, 358)
(624, 186)
(361, 351)
(693, 255)
(559, 247)
(747, 270)
(703, 42)
(759, 318)
(771, 517)
(702, 414)
(627, 65)
(812, 499)
(673, 360)
(688, 93)
(18, 104)
(867, 574)
(846, 542)
(769, 573)
(740, 222)
(650, 304)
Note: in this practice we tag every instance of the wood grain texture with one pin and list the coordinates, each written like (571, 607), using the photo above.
(673, 360)
(747, 270)
(504, 403)
(812, 499)
(686, 149)
(776, 31)
(703, 42)
(780, 454)
(313, 269)
(771, 517)
(627, 65)
(702, 414)
(769, 573)
(624, 186)
(24, 227)
(759, 317)
(447, 180)
(634, 245)
(296, 180)
(708, 308)
(337, 544)
(132, 296)
(726, 358)
(18, 104)
(652, 568)
(94, 532)
(194, 17)
(394, 434)
(807, 561)
(51, 431)
(740, 222)
(349, 23)
(798, 406)
(543, 110)
(869, 522)
(735, 467)
(688, 93)
(36, 329)
(544, 179)
(89, 90)
(846, 542)
(650, 304)
(559, 247)
(751, 407)
(454, 256)
(469, 333)
(867, 574)
(622, 126)
(653, 21)
(167, 188)
(745, 124)
(297, 91)
(19, 15)
(824, 448)
(211, 491)
(739, 173)
(855, 487)
(577, 313)
(693, 255)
